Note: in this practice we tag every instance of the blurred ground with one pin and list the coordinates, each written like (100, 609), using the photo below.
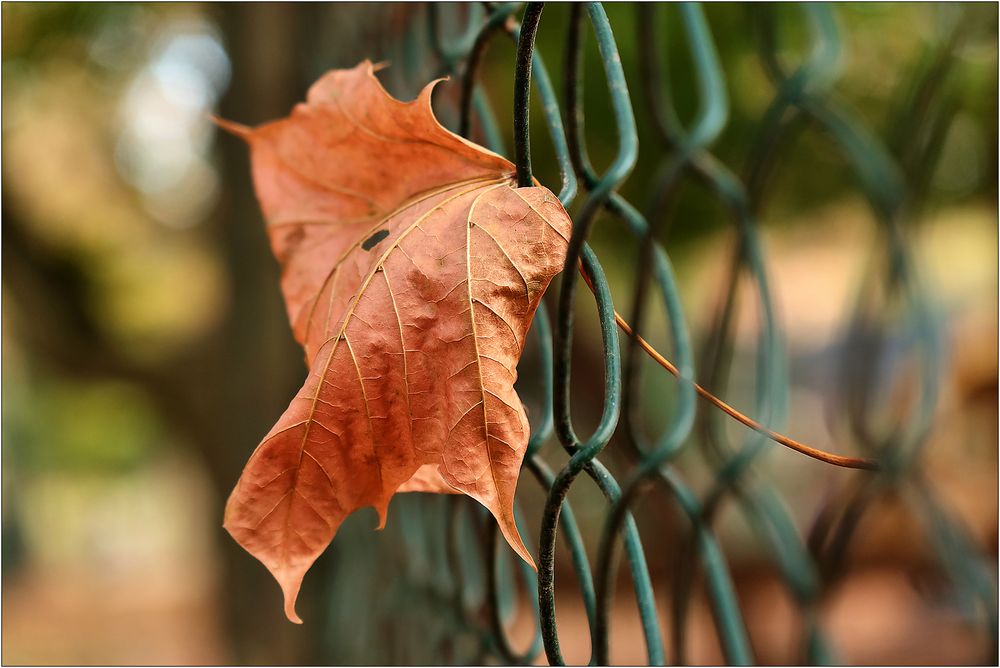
(132, 580)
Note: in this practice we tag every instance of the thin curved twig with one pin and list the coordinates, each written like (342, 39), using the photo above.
(781, 439)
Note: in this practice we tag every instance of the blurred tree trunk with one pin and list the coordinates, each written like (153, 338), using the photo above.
(256, 363)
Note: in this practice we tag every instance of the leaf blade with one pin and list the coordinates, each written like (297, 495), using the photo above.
(411, 295)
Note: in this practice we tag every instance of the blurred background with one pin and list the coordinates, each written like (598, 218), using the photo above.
(146, 350)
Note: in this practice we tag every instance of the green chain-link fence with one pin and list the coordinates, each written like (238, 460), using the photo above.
(440, 586)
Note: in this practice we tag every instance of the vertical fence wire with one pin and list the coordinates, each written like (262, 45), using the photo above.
(448, 554)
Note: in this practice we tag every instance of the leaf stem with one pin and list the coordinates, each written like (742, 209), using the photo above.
(815, 453)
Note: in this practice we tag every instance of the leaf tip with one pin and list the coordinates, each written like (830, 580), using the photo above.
(382, 509)
(290, 582)
(291, 614)
(509, 530)
(238, 129)
(527, 558)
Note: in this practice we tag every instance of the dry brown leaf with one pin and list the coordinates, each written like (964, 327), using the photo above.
(412, 268)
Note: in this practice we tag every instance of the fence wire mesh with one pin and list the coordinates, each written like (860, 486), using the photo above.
(454, 588)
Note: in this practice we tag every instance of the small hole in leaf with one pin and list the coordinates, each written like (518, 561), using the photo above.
(373, 240)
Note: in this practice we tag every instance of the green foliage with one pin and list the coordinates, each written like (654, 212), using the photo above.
(73, 426)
